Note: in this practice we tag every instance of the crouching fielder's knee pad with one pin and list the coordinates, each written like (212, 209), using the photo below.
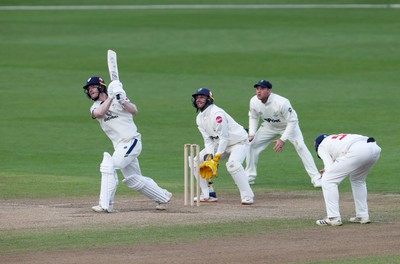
(109, 182)
(150, 189)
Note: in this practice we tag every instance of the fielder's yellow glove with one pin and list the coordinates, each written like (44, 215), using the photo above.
(206, 171)
(209, 168)
(217, 158)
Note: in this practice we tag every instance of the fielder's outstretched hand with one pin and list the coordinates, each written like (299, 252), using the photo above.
(279, 143)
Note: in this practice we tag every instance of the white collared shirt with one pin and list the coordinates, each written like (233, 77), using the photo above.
(117, 123)
(277, 113)
(219, 129)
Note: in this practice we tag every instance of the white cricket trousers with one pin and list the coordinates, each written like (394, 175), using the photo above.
(264, 137)
(356, 164)
(125, 158)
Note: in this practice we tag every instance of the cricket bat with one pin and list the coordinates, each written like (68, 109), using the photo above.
(113, 66)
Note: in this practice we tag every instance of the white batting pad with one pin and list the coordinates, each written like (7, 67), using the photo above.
(109, 183)
(148, 188)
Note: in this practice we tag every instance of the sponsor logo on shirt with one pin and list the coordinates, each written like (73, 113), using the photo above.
(109, 116)
(219, 119)
(270, 120)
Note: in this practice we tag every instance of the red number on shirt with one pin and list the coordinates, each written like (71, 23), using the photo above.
(340, 136)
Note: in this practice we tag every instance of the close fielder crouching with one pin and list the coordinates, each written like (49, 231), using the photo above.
(116, 119)
(224, 139)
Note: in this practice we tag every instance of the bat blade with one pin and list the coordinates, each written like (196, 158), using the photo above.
(112, 65)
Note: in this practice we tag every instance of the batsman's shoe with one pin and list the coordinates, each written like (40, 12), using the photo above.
(203, 199)
(361, 220)
(99, 209)
(316, 182)
(164, 206)
(334, 221)
(247, 201)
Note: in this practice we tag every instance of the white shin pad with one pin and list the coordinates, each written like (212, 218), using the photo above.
(148, 188)
(109, 183)
(238, 174)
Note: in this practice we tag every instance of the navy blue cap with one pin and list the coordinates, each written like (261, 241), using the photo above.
(318, 141)
(263, 83)
(203, 91)
(95, 80)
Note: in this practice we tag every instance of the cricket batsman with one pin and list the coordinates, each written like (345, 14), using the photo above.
(115, 115)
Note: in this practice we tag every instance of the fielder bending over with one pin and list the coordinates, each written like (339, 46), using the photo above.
(346, 155)
(115, 115)
(278, 119)
(223, 138)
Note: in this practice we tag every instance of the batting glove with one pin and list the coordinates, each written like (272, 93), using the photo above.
(114, 85)
(123, 99)
(118, 88)
(111, 95)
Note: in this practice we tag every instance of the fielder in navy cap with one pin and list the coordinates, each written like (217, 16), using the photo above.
(279, 125)
(264, 84)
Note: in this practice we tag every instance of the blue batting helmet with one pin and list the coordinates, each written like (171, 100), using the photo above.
(95, 80)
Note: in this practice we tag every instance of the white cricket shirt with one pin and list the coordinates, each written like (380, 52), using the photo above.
(277, 113)
(218, 128)
(117, 123)
(335, 146)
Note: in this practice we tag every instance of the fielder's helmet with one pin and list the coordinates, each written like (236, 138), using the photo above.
(318, 141)
(206, 92)
(264, 84)
(95, 80)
